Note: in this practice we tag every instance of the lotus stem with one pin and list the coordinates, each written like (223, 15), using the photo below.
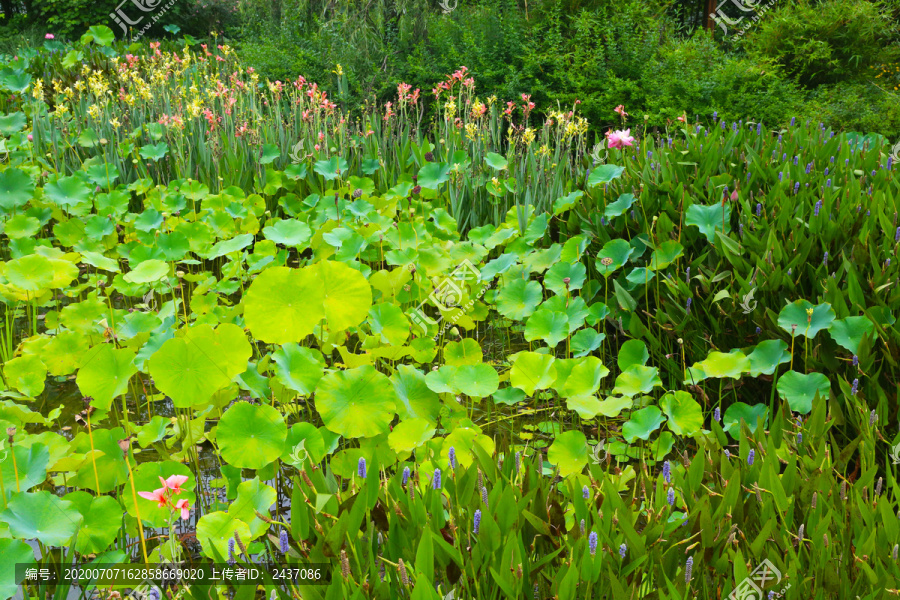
(137, 510)
(93, 457)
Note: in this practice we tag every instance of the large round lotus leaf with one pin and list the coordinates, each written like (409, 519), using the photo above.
(509, 396)
(637, 379)
(766, 357)
(26, 374)
(685, 414)
(587, 407)
(104, 374)
(642, 423)
(304, 443)
(585, 378)
(850, 331)
(41, 516)
(800, 390)
(442, 381)
(31, 464)
(463, 440)
(111, 471)
(21, 226)
(146, 479)
(358, 402)
(719, 364)
(555, 278)
(250, 436)
(13, 552)
(476, 381)
(532, 371)
(796, 314)
(737, 412)
(213, 532)
(632, 352)
(585, 341)
(253, 497)
(16, 189)
(63, 352)
(569, 452)
(30, 273)
(298, 367)
(432, 175)
(347, 294)
(613, 256)
(284, 305)
(148, 271)
(709, 219)
(409, 434)
(519, 299)
(620, 206)
(67, 191)
(388, 320)
(288, 232)
(191, 368)
(102, 521)
(465, 352)
(604, 174)
(416, 399)
(612, 406)
(550, 326)
(665, 255)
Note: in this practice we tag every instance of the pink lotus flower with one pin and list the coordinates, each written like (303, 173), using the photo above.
(156, 496)
(185, 507)
(49, 36)
(619, 139)
(173, 482)
(621, 110)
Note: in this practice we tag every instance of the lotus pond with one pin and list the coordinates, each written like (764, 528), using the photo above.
(444, 348)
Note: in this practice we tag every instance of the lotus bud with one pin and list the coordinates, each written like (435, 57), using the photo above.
(455, 331)
(10, 433)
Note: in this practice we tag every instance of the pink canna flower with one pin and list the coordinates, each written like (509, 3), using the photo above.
(619, 139)
(173, 482)
(156, 496)
(621, 110)
(49, 36)
(185, 507)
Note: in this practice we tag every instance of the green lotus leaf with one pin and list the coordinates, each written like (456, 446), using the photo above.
(564, 203)
(719, 364)
(849, 332)
(388, 320)
(251, 436)
(496, 161)
(632, 352)
(12, 123)
(154, 152)
(304, 442)
(298, 367)
(613, 256)
(191, 368)
(587, 407)
(284, 305)
(639, 276)
(709, 219)
(432, 175)
(31, 273)
(519, 299)
(569, 452)
(67, 191)
(796, 314)
(215, 529)
(41, 516)
(620, 206)
(102, 521)
(358, 402)
(416, 399)
(442, 381)
(739, 411)
(409, 434)
(585, 378)
(26, 373)
(637, 379)
(148, 271)
(684, 413)
(532, 371)
(604, 174)
(497, 266)
(253, 497)
(555, 278)
(16, 189)
(27, 471)
(476, 381)
(550, 326)
(12, 553)
(766, 357)
(146, 479)
(99, 34)
(104, 374)
(667, 253)
(465, 352)
(21, 226)
(642, 424)
(509, 396)
(585, 341)
(612, 406)
(347, 294)
(463, 440)
(800, 390)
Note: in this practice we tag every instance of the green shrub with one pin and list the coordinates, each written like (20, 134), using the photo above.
(825, 42)
(856, 107)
